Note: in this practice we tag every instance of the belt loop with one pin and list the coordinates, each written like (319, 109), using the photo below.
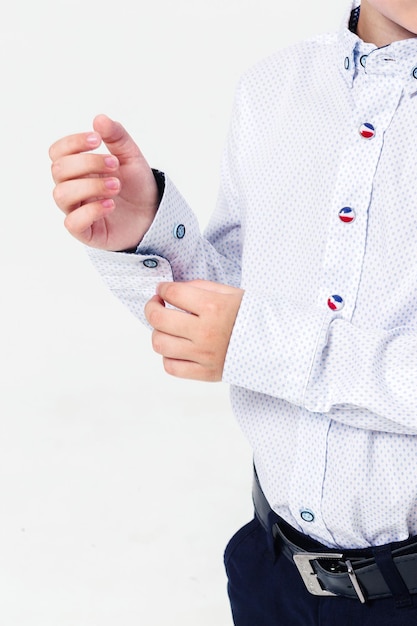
(392, 577)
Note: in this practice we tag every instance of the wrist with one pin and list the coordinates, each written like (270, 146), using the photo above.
(160, 183)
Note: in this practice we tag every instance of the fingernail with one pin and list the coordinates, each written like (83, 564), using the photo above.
(93, 139)
(107, 204)
(111, 162)
(112, 183)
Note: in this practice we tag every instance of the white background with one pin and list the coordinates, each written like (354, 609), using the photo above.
(119, 486)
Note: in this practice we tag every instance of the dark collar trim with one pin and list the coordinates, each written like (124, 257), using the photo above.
(354, 19)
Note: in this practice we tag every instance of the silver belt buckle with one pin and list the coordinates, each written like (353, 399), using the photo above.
(309, 576)
(311, 580)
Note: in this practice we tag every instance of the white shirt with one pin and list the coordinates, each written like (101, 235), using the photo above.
(322, 361)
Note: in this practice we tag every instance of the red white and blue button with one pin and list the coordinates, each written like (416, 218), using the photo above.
(335, 303)
(347, 215)
(367, 130)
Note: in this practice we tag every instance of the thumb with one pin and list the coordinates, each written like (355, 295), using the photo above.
(116, 138)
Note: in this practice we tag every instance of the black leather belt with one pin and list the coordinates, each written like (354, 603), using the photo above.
(373, 573)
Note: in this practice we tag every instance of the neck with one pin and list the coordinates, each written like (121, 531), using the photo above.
(373, 27)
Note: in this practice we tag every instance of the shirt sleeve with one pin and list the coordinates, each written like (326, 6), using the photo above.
(325, 364)
(172, 249)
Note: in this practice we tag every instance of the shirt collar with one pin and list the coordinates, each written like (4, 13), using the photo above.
(354, 55)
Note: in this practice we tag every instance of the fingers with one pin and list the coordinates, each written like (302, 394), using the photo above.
(169, 321)
(81, 221)
(74, 144)
(116, 138)
(70, 166)
(197, 296)
(73, 160)
(114, 135)
(82, 177)
(90, 186)
(184, 296)
(80, 165)
(69, 194)
(182, 356)
(193, 344)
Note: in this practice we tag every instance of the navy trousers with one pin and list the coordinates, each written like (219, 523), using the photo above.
(265, 589)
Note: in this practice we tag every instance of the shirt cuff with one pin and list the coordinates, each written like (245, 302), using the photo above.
(174, 234)
(273, 346)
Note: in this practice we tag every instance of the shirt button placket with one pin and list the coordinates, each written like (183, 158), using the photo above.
(347, 215)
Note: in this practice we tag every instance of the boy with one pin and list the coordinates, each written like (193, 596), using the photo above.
(308, 308)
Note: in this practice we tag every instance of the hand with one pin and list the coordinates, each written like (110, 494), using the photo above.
(194, 340)
(109, 200)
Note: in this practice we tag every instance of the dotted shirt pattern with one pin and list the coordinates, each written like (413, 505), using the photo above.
(317, 221)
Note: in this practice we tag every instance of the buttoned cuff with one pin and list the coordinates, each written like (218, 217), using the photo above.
(174, 233)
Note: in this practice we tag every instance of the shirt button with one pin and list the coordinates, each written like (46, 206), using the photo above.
(367, 130)
(150, 263)
(415, 72)
(307, 516)
(347, 63)
(335, 303)
(362, 60)
(179, 231)
(347, 215)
